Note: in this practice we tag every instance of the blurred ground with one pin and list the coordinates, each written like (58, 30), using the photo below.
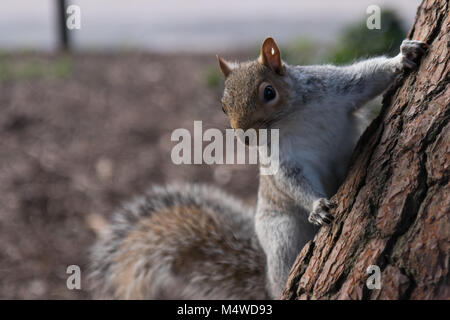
(79, 135)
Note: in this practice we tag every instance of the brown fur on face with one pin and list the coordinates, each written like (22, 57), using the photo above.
(241, 99)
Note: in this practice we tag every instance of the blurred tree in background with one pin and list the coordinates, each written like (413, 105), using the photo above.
(357, 41)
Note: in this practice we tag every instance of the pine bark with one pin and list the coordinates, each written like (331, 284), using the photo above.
(394, 206)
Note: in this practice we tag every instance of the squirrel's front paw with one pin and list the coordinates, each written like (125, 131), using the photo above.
(411, 52)
(320, 214)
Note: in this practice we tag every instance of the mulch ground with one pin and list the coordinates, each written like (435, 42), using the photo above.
(73, 148)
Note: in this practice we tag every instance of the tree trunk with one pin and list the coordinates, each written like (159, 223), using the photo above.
(393, 208)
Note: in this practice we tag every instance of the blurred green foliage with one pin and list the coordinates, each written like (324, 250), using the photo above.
(357, 41)
(212, 77)
(61, 68)
(31, 68)
(301, 51)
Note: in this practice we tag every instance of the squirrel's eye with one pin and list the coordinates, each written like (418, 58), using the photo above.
(269, 93)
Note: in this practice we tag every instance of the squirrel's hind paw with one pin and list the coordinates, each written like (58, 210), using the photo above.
(320, 214)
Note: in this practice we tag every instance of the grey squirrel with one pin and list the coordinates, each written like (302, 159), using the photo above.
(197, 242)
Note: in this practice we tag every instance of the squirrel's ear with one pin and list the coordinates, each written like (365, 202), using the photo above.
(224, 66)
(271, 57)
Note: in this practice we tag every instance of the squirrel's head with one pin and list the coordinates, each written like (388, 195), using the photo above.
(256, 91)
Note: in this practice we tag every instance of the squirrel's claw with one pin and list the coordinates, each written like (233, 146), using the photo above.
(411, 52)
(320, 214)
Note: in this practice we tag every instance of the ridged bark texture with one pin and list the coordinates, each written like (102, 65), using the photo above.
(394, 206)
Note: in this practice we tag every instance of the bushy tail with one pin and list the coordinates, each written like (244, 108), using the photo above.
(179, 242)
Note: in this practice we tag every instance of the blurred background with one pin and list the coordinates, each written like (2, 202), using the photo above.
(85, 124)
